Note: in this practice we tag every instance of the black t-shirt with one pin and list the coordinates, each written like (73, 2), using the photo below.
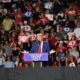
(15, 52)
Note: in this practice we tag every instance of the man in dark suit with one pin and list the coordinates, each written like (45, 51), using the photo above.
(40, 46)
(44, 45)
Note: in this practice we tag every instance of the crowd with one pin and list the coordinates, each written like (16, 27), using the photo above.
(57, 20)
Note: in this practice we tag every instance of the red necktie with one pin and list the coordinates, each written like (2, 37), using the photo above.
(39, 48)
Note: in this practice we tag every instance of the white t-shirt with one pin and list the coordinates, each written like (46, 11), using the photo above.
(75, 54)
(48, 5)
(49, 16)
(77, 32)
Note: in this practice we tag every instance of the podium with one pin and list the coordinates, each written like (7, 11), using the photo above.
(37, 64)
(37, 59)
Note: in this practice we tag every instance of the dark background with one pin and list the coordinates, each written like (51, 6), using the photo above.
(41, 74)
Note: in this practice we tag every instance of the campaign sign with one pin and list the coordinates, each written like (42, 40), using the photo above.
(35, 57)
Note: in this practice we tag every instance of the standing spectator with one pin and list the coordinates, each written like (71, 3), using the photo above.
(23, 40)
(7, 49)
(15, 52)
(48, 5)
(8, 62)
(77, 32)
(53, 59)
(74, 53)
(42, 19)
(38, 6)
(7, 25)
(26, 27)
(32, 37)
(70, 33)
(18, 16)
(17, 61)
(73, 42)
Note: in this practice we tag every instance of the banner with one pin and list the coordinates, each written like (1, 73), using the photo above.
(35, 57)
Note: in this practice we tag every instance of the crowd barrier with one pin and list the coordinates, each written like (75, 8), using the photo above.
(63, 73)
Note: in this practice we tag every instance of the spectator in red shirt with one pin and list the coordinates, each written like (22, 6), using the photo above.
(72, 42)
(43, 19)
(18, 16)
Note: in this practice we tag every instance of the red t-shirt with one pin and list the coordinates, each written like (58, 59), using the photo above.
(53, 41)
(18, 17)
(72, 43)
(42, 19)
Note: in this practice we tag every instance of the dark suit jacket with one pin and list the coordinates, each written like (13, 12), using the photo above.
(34, 48)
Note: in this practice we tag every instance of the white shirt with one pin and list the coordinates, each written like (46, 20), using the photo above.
(49, 16)
(77, 32)
(75, 54)
(41, 46)
(48, 5)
